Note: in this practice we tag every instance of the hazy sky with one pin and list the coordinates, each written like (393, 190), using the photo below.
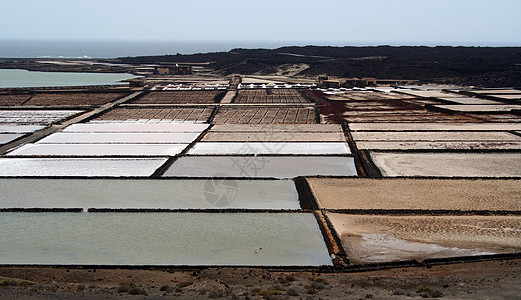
(394, 22)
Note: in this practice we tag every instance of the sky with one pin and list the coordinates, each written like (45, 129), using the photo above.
(334, 22)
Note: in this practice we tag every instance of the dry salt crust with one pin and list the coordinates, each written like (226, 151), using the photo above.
(124, 127)
(468, 100)
(99, 150)
(148, 239)
(372, 238)
(448, 164)
(261, 166)
(485, 145)
(147, 193)
(90, 167)
(35, 116)
(480, 108)
(434, 136)
(428, 94)
(209, 148)
(496, 91)
(7, 137)
(506, 97)
(417, 194)
(434, 126)
(120, 138)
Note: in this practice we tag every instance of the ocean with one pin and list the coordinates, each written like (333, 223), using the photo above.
(114, 49)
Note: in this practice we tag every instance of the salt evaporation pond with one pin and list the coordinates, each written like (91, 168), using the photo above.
(434, 136)
(207, 148)
(213, 136)
(152, 194)
(99, 149)
(9, 128)
(262, 166)
(120, 138)
(252, 239)
(92, 167)
(16, 78)
(7, 137)
(136, 127)
(448, 164)
(35, 116)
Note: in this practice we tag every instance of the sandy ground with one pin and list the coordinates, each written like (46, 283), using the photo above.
(448, 164)
(431, 136)
(481, 280)
(425, 194)
(291, 69)
(372, 238)
(296, 128)
(470, 146)
(399, 126)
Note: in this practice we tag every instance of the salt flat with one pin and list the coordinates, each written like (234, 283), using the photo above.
(91, 167)
(448, 164)
(261, 166)
(417, 194)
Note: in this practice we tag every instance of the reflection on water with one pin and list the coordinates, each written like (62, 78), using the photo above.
(146, 193)
(14, 78)
(162, 239)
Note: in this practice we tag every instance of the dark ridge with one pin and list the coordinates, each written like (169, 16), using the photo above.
(305, 195)
(478, 66)
(75, 210)
(425, 212)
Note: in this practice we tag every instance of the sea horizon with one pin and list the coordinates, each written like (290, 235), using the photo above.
(107, 49)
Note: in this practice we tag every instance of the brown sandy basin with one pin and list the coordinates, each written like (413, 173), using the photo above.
(480, 108)
(199, 114)
(72, 99)
(265, 115)
(177, 97)
(469, 100)
(424, 194)
(507, 97)
(497, 91)
(274, 137)
(434, 136)
(13, 100)
(278, 128)
(448, 164)
(427, 94)
(398, 126)
(479, 145)
(371, 238)
(270, 96)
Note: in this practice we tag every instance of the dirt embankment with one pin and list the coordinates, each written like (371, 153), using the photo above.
(480, 280)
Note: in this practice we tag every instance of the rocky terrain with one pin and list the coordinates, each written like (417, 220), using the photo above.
(478, 66)
(478, 280)
(470, 66)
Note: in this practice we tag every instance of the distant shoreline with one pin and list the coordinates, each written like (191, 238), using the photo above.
(471, 66)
